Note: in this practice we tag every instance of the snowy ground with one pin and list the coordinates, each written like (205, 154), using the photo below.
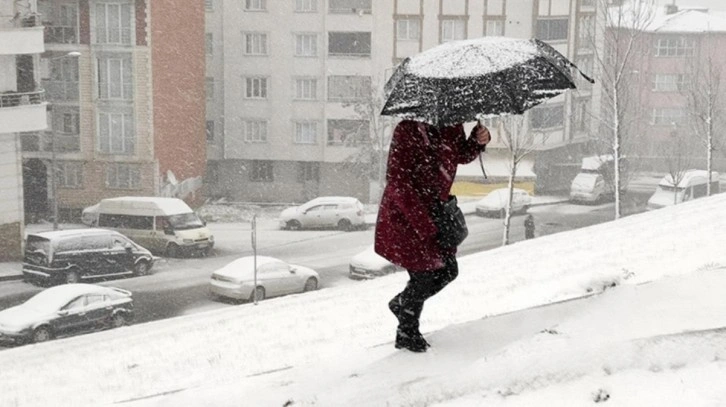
(650, 330)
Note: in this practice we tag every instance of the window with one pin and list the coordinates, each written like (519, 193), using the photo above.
(255, 5)
(349, 43)
(586, 30)
(210, 130)
(255, 88)
(306, 89)
(306, 6)
(123, 176)
(115, 80)
(65, 27)
(254, 131)
(255, 43)
(668, 116)
(308, 171)
(553, 29)
(116, 134)
(349, 6)
(306, 132)
(579, 119)
(209, 5)
(209, 87)
(348, 132)
(261, 171)
(113, 23)
(547, 117)
(494, 28)
(348, 88)
(453, 30)
(586, 63)
(669, 83)
(674, 47)
(408, 29)
(209, 44)
(70, 174)
(588, 3)
(306, 45)
(71, 123)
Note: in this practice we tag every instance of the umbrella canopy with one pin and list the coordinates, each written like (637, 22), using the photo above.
(463, 81)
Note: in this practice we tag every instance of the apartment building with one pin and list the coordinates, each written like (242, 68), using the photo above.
(22, 109)
(125, 84)
(292, 82)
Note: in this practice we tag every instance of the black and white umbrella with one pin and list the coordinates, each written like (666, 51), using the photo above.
(463, 81)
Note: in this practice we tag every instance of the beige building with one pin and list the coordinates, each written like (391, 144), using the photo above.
(22, 109)
(290, 83)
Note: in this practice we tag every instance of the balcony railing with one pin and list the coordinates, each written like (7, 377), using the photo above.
(12, 98)
(61, 34)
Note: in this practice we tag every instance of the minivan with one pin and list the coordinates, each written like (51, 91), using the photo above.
(163, 225)
(70, 256)
(692, 185)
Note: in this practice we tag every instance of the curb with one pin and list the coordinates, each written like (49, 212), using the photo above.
(11, 277)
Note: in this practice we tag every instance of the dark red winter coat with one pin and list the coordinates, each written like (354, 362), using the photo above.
(422, 165)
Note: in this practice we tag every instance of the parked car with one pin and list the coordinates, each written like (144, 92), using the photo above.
(344, 213)
(69, 256)
(275, 277)
(65, 310)
(693, 184)
(368, 264)
(89, 215)
(495, 202)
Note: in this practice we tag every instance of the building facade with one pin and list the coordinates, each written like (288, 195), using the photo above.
(125, 85)
(22, 109)
(295, 85)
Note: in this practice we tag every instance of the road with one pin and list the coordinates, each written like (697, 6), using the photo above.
(180, 286)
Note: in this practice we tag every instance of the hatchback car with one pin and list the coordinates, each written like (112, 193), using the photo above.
(65, 310)
(236, 280)
(69, 256)
(344, 213)
(495, 203)
(368, 264)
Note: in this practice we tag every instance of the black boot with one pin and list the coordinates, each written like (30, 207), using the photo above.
(407, 330)
(412, 341)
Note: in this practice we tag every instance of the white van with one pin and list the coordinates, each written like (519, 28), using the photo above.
(591, 183)
(162, 225)
(693, 185)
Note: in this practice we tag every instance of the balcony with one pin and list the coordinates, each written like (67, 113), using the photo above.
(24, 36)
(23, 111)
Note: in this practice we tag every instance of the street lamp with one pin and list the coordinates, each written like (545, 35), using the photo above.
(53, 165)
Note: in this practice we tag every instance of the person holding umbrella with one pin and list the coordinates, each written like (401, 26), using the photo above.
(422, 165)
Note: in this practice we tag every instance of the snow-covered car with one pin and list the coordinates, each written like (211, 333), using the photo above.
(495, 203)
(275, 277)
(64, 310)
(368, 264)
(89, 215)
(341, 212)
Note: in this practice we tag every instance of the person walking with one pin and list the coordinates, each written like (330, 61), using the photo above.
(422, 165)
(529, 226)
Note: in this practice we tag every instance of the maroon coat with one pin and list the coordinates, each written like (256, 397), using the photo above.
(422, 165)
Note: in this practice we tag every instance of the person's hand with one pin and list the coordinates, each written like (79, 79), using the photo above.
(482, 134)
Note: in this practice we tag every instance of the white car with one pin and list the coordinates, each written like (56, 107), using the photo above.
(344, 213)
(89, 216)
(368, 264)
(236, 280)
(495, 202)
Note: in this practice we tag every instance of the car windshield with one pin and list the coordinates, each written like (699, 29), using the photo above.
(39, 245)
(185, 221)
(668, 188)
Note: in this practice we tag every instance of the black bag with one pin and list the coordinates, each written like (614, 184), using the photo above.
(449, 220)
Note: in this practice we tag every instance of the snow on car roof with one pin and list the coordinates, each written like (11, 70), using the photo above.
(687, 177)
(72, 232)
(55, 297)
(248, 261)
(130, 205)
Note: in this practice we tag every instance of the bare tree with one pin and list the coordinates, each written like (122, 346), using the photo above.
(618, 45)
(678, 153)
(519, 142)
(705, 104)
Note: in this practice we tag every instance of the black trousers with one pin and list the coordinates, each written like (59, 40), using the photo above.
(421, 286)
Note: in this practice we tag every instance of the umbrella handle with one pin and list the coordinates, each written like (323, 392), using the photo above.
(481, 164)
(587, 78)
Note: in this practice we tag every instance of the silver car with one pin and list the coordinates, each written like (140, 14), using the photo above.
(495, 203)
(341, 212)
(236, 280)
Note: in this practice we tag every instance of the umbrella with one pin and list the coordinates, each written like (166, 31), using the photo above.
(463, 81)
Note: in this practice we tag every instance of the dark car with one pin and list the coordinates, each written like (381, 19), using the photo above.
(69, 256)
(65, 310)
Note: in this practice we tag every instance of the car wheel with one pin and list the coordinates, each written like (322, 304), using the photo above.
(293, 225)
(260, 294)
(141, 268)
(345, 225)
(42, 334)
(72, 277)
(310, 285)
(172, 250)
(118, 320)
